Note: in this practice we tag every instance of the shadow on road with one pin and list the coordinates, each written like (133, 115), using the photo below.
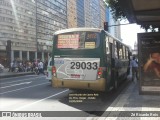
(94, 103)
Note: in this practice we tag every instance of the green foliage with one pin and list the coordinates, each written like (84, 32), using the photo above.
(151, 28)
(118, 14)
(116, 9)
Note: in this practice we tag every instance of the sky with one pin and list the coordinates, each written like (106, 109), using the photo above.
(129, 33)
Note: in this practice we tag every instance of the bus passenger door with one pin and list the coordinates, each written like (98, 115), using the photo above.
(108, 64)
(112, 67)
(111, 64)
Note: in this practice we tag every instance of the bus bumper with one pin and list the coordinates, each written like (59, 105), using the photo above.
(96, 85)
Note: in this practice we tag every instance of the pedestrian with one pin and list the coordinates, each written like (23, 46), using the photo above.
(20, 66)
(11, 67)
(134, 65)
(41, 68)
(35, 67)
(1, 68)
(45, 64)
(14, 66)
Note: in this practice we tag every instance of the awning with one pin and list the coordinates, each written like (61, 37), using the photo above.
(145, 12)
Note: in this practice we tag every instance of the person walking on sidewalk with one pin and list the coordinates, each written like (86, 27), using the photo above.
(10, 67)
(134, 65)
(40, 68)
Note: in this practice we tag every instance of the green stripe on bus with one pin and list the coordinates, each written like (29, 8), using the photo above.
(49, 68)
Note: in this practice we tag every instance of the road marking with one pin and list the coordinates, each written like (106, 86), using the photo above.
(22, 80)
(41, 100)
(23, 88)
(19, 77)
(16, 84)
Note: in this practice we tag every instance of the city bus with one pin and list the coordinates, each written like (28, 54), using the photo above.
(88, 58)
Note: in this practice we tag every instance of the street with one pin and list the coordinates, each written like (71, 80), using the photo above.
(35, 93)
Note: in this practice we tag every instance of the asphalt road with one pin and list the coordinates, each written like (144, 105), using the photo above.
(35, 93)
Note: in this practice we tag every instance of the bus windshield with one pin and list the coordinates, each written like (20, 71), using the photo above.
(78, 40)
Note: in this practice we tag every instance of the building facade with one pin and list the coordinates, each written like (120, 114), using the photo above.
(80, 13)
(29, 25)
(135, 50)
(102, 13)
(114, 26)
(92, 13)
(86, 13)
(71, 13)
(18, 24)
(51, 16)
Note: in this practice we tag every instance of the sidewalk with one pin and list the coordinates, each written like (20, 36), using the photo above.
(129, 105)
(6, 74)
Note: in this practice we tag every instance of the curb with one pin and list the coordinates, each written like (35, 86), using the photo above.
(16, 75)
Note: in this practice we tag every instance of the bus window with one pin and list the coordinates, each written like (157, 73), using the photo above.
(110, 40)
(117, 46)
(124, 52)
(78, 40)
(115, 49)
(107, 46)
(120, 53)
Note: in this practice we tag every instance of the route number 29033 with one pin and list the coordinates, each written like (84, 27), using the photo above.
(84, 65)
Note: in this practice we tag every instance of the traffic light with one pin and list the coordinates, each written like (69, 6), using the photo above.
(106, 26)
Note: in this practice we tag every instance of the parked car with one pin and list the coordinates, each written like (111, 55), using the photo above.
(1, 68)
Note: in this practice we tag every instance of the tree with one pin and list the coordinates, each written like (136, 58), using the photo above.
(118, 13)
(150, 27)
(116, 9)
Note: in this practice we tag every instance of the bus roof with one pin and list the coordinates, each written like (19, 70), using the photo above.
(77, 29)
